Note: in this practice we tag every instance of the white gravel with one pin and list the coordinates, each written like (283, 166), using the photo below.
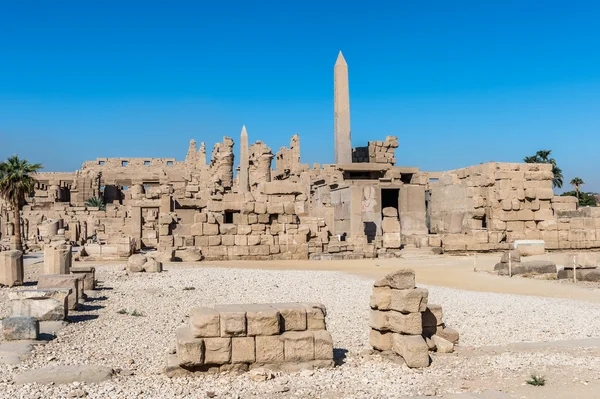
(140, 344)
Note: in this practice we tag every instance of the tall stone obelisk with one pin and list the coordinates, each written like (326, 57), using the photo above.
(243, 181)
(341, 108)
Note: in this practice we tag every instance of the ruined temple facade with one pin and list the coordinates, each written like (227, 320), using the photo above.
(363, 206)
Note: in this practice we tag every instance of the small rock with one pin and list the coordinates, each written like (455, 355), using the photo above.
(210, 394)
(261, 374)
(281, 388)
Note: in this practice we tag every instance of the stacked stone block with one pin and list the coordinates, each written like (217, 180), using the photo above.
(283, 336)
(401, 321)
(390, 225)
(377, 151)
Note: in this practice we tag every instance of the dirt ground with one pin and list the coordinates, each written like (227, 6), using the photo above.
(473, 273)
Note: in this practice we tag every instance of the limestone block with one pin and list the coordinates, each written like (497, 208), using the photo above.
(269, 349)
(232, 320)
(44, 305)
(544, 193)
(88, 273)
(543, 214)
(381, 298)
(260, 208)
(293, 316)
(57, 259)
(243, 350)
(196, 229)
(380, 340)
(378, 320)
(217, 350)
(584, 260)
(135, 263)
(20, 328)
(204, 322)
(241, 240)
(412, 348)
(299, 346)
(228, 240)
(65, 281)
(11, 268)
(400, 280)
(262, 319)
(515, 256)
(323, 345)
(392, 240)
(448, 334)
(389, 225)
(152, 266)
(315, 316)
(253, 240)
(530, 247)
(244, 229)
(275, 208)
(163, 255)
(390, 212)
(409, 300)
(214, 241)
(432, 316)
(409, 323)
(190, 350)
(442, 344)
(189, 255)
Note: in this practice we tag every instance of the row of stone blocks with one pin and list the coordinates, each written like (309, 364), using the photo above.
(284, 336)
(51, 301)
(402, 321)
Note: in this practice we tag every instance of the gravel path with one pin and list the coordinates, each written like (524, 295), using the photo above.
(100, 335)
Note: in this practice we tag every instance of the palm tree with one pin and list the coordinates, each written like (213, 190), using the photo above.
(543, 156)
(16, 182)
(96, 202)
(577, 182)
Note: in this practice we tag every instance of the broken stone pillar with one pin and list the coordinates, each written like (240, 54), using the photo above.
(295, 153)
(221, 164)
(191, 156)
(202, 154)
(57, 259)
(259, 164)
(244, 160)
(342, 143)
(11, 268)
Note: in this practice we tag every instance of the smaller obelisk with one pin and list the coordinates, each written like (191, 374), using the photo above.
(341, 106)
(244, 182)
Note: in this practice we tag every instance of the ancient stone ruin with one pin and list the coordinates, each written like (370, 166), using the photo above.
(402, 321)
(278, 336)
(363, 206)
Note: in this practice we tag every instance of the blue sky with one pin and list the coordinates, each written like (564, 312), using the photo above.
(459, 83)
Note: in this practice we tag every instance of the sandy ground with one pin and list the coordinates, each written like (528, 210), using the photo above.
(510, 328)
(444, 271)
